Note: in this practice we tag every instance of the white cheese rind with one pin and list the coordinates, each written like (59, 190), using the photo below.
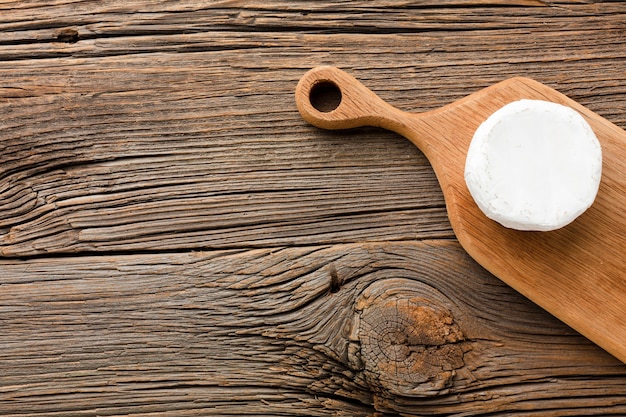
(534, 165)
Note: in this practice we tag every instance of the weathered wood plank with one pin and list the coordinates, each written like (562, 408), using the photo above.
(85, 140)
(138, 132)
(111, 18)
(416, 328)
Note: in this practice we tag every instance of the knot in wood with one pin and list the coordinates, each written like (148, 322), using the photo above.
(410, 346)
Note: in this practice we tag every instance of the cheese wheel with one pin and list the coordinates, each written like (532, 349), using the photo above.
(534, 165)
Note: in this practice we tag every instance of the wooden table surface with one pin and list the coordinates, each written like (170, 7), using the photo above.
(176, 241)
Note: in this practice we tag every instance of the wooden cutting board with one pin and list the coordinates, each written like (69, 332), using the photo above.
(577, 273)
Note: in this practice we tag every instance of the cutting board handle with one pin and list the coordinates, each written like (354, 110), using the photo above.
(351, 103)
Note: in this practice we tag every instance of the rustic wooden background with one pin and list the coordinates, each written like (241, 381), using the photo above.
(175, 240)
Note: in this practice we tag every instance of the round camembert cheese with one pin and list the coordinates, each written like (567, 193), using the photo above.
(534, 165)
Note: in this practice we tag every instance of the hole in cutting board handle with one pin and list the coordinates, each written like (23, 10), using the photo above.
(325, 96)
(332, 99)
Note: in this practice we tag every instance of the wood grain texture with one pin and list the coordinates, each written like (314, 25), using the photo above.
(264, 332)
(169, 226)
